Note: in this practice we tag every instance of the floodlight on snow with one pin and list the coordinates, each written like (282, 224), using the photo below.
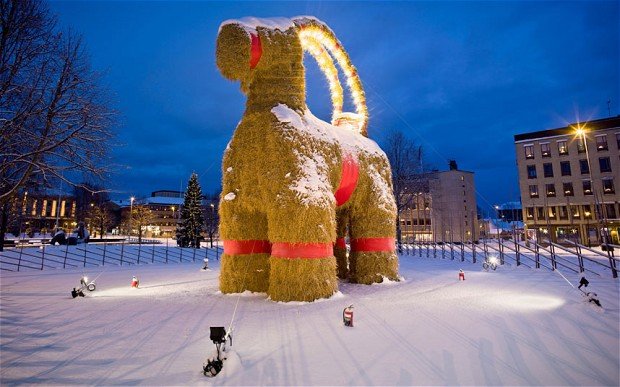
(219, 336)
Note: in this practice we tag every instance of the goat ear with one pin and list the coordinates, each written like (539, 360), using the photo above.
(233, 50)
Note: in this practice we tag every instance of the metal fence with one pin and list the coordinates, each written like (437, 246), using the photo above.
(101, 254)
(575, 258)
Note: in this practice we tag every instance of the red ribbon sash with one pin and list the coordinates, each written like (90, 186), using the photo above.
(348, 181)
(256, 50)
(247, 247)
(372, 244)
(302, 250)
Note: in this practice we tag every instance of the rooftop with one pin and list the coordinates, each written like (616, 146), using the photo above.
(600, 124)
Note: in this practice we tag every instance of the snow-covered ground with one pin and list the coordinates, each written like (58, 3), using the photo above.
(514, 326)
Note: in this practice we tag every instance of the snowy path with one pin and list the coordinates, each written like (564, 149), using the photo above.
(515, 326)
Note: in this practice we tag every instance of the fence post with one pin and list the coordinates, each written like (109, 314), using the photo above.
(612, 264)
(139, 251)
(462, 251)
(21, 250)
(104, 248)
(194, 255)
(85, 246)
(153, 254)
(122, 251)
(554, 265)
(473, 251)
(181, 254)
(166, 250)
(42, 256)
(64, 265)
(518, 253)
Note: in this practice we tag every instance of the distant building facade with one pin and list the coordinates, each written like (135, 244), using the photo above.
(442, 207)
(42, 212)
(568, 179)
(166, 209)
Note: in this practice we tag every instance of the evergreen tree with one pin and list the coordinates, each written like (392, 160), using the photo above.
(192, 220)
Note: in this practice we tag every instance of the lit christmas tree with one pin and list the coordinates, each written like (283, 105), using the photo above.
(192, 221)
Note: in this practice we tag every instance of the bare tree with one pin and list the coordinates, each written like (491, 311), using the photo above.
(54, 117)
(139, 218)
(101, 218)
(406, 163)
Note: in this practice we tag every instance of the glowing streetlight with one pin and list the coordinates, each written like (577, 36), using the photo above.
(131, 214)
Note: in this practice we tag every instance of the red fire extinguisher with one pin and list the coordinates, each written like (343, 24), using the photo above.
(135, 282)
(347, 316)
(461, 275)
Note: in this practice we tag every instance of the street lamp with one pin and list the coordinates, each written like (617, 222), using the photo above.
(581, 133)
(131, 215)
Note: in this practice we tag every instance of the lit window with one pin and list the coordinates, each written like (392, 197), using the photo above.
(545, 150)
(601, 142)
(581, 148)
(533, 191)
(529, 151)
(568, 189)
(550, 188)
(587, 187)
(608, 186)
(562, 148)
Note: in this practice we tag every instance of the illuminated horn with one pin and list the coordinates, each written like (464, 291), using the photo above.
(313, 33)
(326, 64)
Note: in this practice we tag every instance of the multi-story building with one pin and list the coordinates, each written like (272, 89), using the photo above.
(442, 207)
(42, 212)
(568, 179)
(165, 207)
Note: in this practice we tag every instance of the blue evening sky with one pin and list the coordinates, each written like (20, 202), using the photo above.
(459, 78)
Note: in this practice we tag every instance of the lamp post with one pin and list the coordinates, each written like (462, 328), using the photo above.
(131, 215)
(212, 225)
(581, 133)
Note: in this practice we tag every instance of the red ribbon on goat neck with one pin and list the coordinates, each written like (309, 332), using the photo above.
(256, 50)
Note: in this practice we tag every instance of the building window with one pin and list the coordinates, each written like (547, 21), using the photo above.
(529, 212)
(563, 212)
(568, 189)
(587, 187)
(44, 208)
(548, 169)
(551, 212)
(562, 148)
(575, 211)
(565, 168)
(618, 140)
(610, 209)
(540, 213)
(533, 191)
(550, 190)
(584, 167)
(545, 150)
(34, 208)
(608, 186)
(587, 211)
(604, 164)
(531, 171)
(601, 142)
(529, 151)
(581, 148)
